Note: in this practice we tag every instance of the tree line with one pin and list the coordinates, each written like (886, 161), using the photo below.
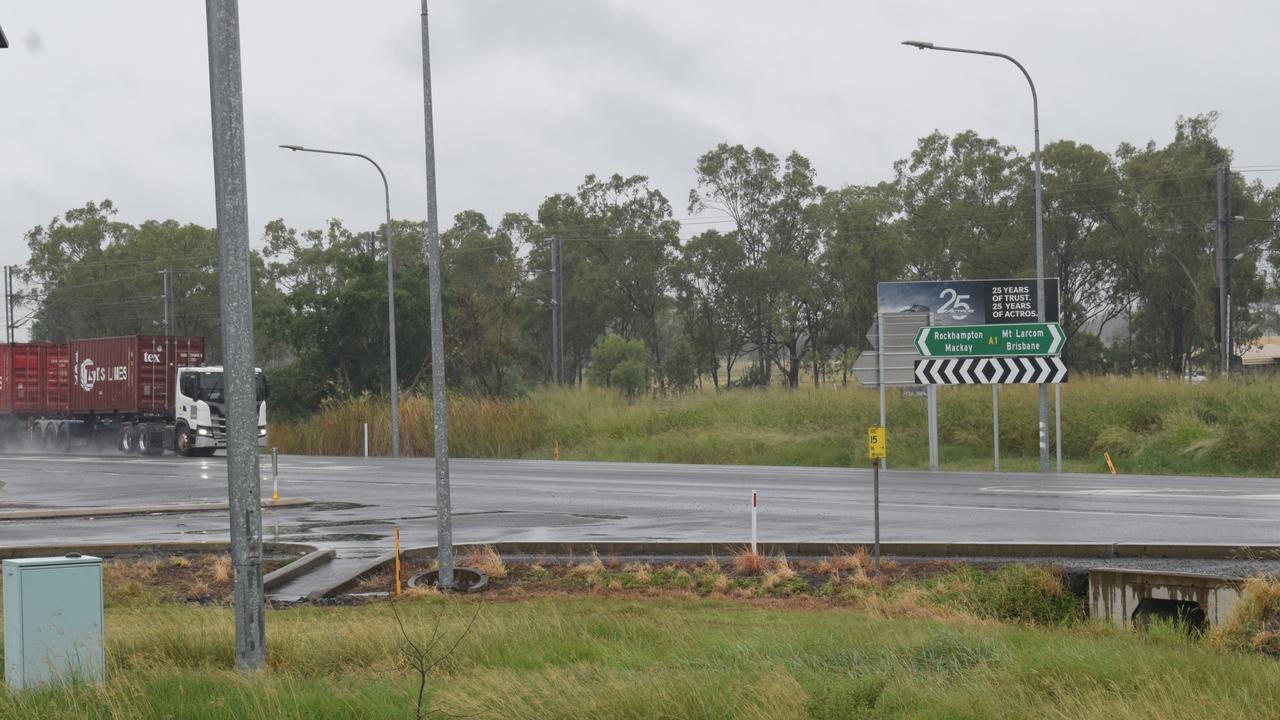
(780, 291)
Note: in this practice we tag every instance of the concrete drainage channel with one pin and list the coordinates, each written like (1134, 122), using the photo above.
(306, 557)
(1136, 597)
(1119, 594)
(1130, 596)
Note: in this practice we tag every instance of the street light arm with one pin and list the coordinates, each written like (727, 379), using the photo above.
(391, 292)
(386, 188)
(1035, 100)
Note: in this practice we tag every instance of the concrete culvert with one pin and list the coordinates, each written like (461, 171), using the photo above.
(1183, 612)
(468, 580)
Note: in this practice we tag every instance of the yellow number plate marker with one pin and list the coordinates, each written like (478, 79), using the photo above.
(876, 443)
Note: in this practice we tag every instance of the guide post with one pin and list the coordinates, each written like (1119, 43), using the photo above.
(876, 452)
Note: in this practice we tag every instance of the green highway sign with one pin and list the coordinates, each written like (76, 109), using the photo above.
(990, 340)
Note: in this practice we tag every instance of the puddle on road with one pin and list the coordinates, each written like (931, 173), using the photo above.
(332, 537)
(335, 506)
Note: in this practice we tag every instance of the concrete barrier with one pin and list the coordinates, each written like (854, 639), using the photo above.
(302, 565)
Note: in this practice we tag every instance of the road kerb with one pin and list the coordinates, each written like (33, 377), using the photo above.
(924, 549)
(104, 511)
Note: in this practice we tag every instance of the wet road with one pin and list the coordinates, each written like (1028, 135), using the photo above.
(359, 501)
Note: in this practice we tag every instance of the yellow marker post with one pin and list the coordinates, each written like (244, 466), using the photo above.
(275, 475)
(555, 452)
(397, 561)
(1110, 465)
(877, 450)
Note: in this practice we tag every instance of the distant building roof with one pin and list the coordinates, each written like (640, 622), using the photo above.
(1263, 351)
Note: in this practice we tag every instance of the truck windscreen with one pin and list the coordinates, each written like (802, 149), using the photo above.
(210, 388)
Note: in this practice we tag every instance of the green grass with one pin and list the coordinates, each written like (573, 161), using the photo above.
(1147, 426)
(588, 657)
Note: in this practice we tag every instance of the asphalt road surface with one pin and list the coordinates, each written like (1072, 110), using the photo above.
(358, 501)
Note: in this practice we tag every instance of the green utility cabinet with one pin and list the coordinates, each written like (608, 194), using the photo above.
(52, 620)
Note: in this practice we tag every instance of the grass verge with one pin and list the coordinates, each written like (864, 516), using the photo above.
(1147, 426)
(592, 657)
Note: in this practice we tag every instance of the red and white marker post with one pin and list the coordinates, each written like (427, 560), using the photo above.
(755, 500)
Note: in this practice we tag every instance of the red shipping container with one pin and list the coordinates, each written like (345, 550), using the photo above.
(34, 379)
(131, 374)
(57, 381)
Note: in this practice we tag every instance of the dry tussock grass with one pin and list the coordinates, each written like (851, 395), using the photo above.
(641, 571)
(746, 562)
(845, 563)
(218, 569)
(782, 568)
(421, 591)
(720, 583)
(487, 560)
(712, 565)
(859, 577)
(770, 582)
(591, 568)
(1254, 623)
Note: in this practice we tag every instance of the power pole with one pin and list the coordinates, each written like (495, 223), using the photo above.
(557, 311)
(8, 303)
(168, 302)
(444, 507)
(244, 490)
(1224, 269)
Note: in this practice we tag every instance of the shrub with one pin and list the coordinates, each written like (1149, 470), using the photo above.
(1254, 624)
(1016, 593)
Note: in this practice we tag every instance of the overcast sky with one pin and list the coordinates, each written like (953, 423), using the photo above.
(110, 98)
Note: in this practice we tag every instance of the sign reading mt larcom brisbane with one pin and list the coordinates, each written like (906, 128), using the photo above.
(990, 340)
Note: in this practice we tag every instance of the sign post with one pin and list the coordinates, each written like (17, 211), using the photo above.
(876, 451)
(1057, 422)
(995, 423)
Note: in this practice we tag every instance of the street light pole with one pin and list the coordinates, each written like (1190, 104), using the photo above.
(1040, 305)
(391, 292)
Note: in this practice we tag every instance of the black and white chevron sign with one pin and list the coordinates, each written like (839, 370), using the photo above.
(990, 371)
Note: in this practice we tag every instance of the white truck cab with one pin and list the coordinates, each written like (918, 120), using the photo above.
(200, 413)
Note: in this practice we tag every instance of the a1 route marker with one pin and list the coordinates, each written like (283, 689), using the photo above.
(1021, 339)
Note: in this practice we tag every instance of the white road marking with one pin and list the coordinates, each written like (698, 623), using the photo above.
(1162, 492)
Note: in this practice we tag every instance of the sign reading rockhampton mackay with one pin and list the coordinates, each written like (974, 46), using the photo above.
(970, 302)
(1017, 339)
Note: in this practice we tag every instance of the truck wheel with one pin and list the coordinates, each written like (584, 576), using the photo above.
(128, 439)
(147, 444)
(182, 440)
(62, 438)
(49, 438)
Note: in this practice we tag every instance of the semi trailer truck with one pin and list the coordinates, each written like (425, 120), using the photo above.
(140, 394)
